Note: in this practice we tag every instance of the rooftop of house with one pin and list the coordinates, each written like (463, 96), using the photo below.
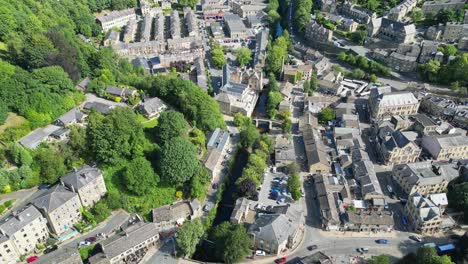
(326, 199)
(153, 105)
(381, 218)
(133, 236)
(386, 98)
(81, 177)
(449, 140)
(115, 15)
(426, 209)
(63, 255)
(17, 220)
(424, 120)
(427, 172)
(439, 199)
(36, 137)
(54, 198)
(218, 139)
(172, 212)
(364, 172)
(276, 227)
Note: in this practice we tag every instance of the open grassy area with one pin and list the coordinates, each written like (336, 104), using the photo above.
(85, 251)
(13, 120)
(115, 184)
(147, 123)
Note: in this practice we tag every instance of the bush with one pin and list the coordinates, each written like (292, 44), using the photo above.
(9, 203)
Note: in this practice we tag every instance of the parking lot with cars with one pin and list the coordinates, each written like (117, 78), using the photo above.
(274, 189)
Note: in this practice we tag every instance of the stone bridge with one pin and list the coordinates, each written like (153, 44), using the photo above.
(270, 122)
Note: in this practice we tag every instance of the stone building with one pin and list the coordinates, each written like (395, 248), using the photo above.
(175, 25)
(423, 214)
(317, 33)
(424, 177)
(401, 10)
(317, 157)
(446, 146)
(390, 30)
(436, 6)
(20, 233)
(88, 182)
(130, 31)
(191, 22)
(384, 103)
(117, 18)
(61, 207)
(360, 14)
(171, 216)
(398, 147)
(455, 31)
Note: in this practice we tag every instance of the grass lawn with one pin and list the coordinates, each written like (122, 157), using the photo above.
(147, 123)
(160, 196)
(13, 120)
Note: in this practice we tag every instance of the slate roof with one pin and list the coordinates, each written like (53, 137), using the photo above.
(115, 14)
(425, 208)
(63, 255)
(218, 139)
(16, 222)
(98, 106)
(396, 98)
(152, 105)
(71, 116)
(36, 137)
(364, 172)
(134, 235)
(276, 227)
(326, 199)
(424, 120)
(80, 178)
(54, 198)
(373, 218)
(450, 140)
(396, 140)
(114, 90)
(425, 173)
(315, 150)
(172, 212)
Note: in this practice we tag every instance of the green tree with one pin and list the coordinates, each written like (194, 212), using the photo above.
(189, 235)
(171, 124)
(248, 136)
(139, 176)
(190, 3)
(359, 37)
(372, 78)
(430, 70)
(293, 168)
(244, 56)
(100, 211)
(274, 99)
(178, 161)
(50, 165)
(458, 198)
(3, 113)
(306, 87)
(237, 245)
(417, 15)
(327, 114)
(286, 126)
(380, 259)
(217, 55)
(197, 137)
(358, 74)
(241, 120)
(117, 135)
(247, 187)
(294, 186)
(450, 50)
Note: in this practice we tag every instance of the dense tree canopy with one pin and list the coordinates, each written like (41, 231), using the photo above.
(232, 243)
(458, 198)
(139, 176)
(178, 161)
(301, 16)
(327, 114)
(117, 135)
(189, 235)
(454, 71)
(196, 105)
(244, 56)
(171, 124)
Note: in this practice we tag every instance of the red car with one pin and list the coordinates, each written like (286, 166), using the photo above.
(32, 259)
(280, 260)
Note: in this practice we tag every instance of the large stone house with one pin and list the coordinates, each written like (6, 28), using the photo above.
(87, 182)
(117, 18)
(390, 30)
(317, 157)
(20, 233)
(384, 103)
(446, 146)
(425, 177)
(423, 214)
(170, 216)
(61, 207)
(398, 147)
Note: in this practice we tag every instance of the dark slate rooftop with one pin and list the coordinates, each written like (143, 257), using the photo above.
(53, 198)
(81, 177)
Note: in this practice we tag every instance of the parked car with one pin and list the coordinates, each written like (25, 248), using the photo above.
(312, 247)
(91, 239)
(32, 259)
(84, 244)
(389, 188)
(207, 207)
(362, 250)
(215, 186)
(44, 186)
(282, 200)
(381, 241)
(50, 249)
(260, 253)
(416, 238)
(281, 260)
